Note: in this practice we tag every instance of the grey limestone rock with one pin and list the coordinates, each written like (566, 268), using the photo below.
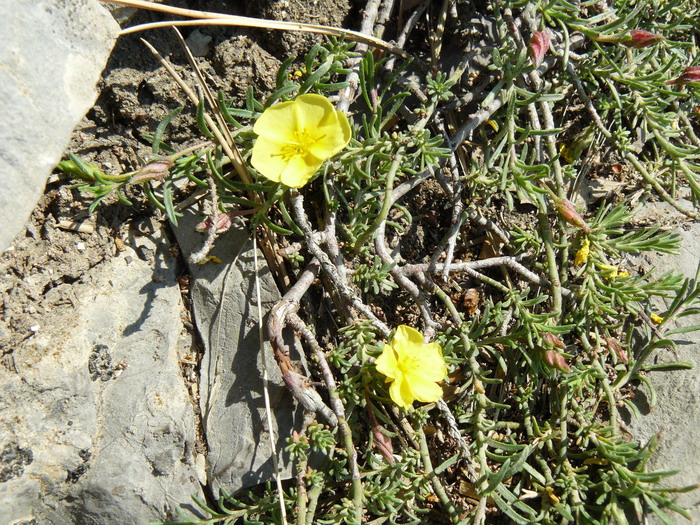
(51, 57)
(231, 384)
(96, 424)
(677, 410)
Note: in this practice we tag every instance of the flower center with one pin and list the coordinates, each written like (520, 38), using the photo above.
(300, 145)
(408, 363)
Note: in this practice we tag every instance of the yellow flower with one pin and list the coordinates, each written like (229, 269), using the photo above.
(611, 272)
(657, 319)
(412, 367)
(296, 137)
(582, 253)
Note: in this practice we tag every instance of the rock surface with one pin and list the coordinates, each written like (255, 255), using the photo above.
(96, 424)
(51, 57)
(231, 384)
(677, 410)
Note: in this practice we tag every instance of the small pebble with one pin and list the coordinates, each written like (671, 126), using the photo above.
(198, 43)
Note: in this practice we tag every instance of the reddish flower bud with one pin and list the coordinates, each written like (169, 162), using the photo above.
(617, 348)
(568, 212)
(153, 170)
(552, 341)
(222, 222)
(639, 38)
(539, 45)
(690, 74)
(382, 441)
(384, 444)
(555, 360)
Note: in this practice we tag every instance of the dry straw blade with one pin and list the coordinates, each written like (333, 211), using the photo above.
(209, 18)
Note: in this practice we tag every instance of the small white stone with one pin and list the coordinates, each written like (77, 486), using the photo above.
(198, 43)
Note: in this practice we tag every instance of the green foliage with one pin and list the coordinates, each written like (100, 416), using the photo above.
(374, 277)
(534, 442)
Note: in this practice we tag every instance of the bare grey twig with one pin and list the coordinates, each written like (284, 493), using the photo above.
(330, 269)
(510, 262)
(300, 327)
(369, 17)
(296, 383)
(403, 281)
(454, 432)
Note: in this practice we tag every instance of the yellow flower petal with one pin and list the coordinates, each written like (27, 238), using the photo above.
(279, 122)
(405, 338)
(386, 363)
(296, 137)
(412, 367)
(582, 253)
(267, 160)
(314, 110)
(334, 135)
(400, 392)
(299, 170)
(425, 391)
(431, 364)
(657, 319)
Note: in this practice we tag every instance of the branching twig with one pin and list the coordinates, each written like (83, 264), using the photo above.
(434, 479)
(456, 434)
(300, 327)
(329, 268)
(296, 383)
(402, 280)
(471, 268)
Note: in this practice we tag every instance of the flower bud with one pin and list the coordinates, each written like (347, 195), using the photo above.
(690, 74)
(638, 38)
(383, 442)
(539, 45)
(552, 341)
(222, 222)
(568, 212)
(153, 170)
(555, 360)
(617, 348)
(81, 170)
